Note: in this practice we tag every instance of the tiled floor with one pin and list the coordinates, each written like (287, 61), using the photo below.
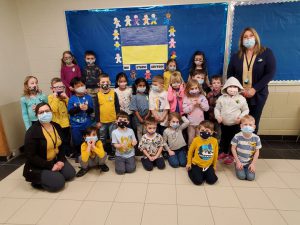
(163, 197)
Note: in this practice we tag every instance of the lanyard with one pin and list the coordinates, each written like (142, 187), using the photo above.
(54, 142)
(249, 64)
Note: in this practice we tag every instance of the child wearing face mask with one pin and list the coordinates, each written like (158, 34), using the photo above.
(170, 68)
(229, 110)
(176, 93)
(245, 149)
(202, 156)
(123, 139)
(152, 145)
(92, 153)
(202, 78)
(80, 108)
(69, 70)
(194, 105)
(139, 105)
(124, 92)
(32, 96)
(176, 145)
(107, 107)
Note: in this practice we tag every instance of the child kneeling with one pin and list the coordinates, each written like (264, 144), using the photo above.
(92, 153)
(245, 149)
(123, 139)
(203, 155)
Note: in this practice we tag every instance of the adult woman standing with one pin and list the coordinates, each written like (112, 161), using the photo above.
(254, 66)
(46, 166)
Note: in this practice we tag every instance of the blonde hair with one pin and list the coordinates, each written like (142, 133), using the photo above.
(190, 84)
(258, 49)
(247, 117)
(26, 91)
(159, 79)
(176, 77)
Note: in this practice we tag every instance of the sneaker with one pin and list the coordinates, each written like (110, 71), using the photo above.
(81, 172)
(222, 156)
(228, 160)
(104, 168)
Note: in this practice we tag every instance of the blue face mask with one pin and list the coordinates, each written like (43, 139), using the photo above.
(247, 129)
(172, 68)
(91, 138)
(46, 117)
(200, 81)
(175, 125)
(155, 88)
(141, 89)
(249, 43)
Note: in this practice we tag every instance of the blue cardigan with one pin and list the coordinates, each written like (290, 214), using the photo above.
(263, 72)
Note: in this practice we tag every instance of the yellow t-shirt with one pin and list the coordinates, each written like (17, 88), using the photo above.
(107, 107)
(203, 153)
(59, 111)
(51, 151)
(97, 151)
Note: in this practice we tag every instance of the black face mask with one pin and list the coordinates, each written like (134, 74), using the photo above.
(205, 135)
(122, 124)
(105, 86)
(33, 89)
(59, 93)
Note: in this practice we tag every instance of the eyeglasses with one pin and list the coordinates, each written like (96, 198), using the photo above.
(45, 111)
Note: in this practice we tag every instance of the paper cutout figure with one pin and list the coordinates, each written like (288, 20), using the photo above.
(133, 74)
(117, 45)
(146, 20)
(167, 19)
(127, 21)
(116, 35)
(136, 20)
(148, 75)
(117, 22)
(173, 55)
(172, 43)
(153, 19)
(118, 58)
(172, 31)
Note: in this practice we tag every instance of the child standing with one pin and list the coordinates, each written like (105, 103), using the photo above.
(152, 145)
(80, 107)
(69, 70)
(176, 93)
(124, 140)
(174, 138)
(202, 156)
(140, 105)
(245, 149)
(170, 68)
(92, 153)
(229, 110)
(158, 103)
(194, 103)
(107, 107)
(32, 96)
(59, 102)
(198, 62)
(202, 78)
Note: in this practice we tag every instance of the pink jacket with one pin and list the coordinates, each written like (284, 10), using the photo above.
(172, 98)
(195, 113)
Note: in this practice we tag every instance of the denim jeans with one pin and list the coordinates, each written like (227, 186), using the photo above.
(245, 174)
(179, 159)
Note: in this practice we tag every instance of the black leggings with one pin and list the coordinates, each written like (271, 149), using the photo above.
(227, 133)
(148, 165)
(198, 176)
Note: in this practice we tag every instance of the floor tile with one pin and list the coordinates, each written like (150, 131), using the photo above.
(92, 213)
(249, 198)
(182, 176)
(279, 165)
(125, 213)
(7, 185)
(7, 169)
(269, 179)
(132, 192)
(284, 199)
(291, 179)
(31, 211)
(17, 174)
(8, 207)
(161, 194)
(139, 176)
(291, 217)
(261, 165)
(222, 180)
(189, 215)
(92, 175)
(166, 176)
(61, 212)
(165, 214)
(295, 163)
(230, 216)
(221, 196)
(110, 176)
(103, 191)
(76, 190)
(264, 217)
(297, 191)
(23, 190)
(235, 182)
(42, 194)
(191, 195)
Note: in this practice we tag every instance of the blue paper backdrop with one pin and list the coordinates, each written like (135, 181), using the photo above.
(278, 25)
(198, 27)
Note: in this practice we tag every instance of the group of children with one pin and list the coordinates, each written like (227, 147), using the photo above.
(181, 122)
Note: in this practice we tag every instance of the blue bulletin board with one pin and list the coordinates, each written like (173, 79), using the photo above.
(278, 25)
(142, 39)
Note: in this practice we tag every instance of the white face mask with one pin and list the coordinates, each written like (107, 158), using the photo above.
(90, 61)
(249, 43)
(122, 85)
(80, 90)
(232, 91)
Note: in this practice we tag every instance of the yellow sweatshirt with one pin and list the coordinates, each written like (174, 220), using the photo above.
(203, 153)
(97, 151)
(59, 110)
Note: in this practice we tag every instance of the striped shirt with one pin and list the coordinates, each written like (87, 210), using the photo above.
(246, 147)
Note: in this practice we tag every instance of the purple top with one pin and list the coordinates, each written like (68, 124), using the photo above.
(67, 73)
